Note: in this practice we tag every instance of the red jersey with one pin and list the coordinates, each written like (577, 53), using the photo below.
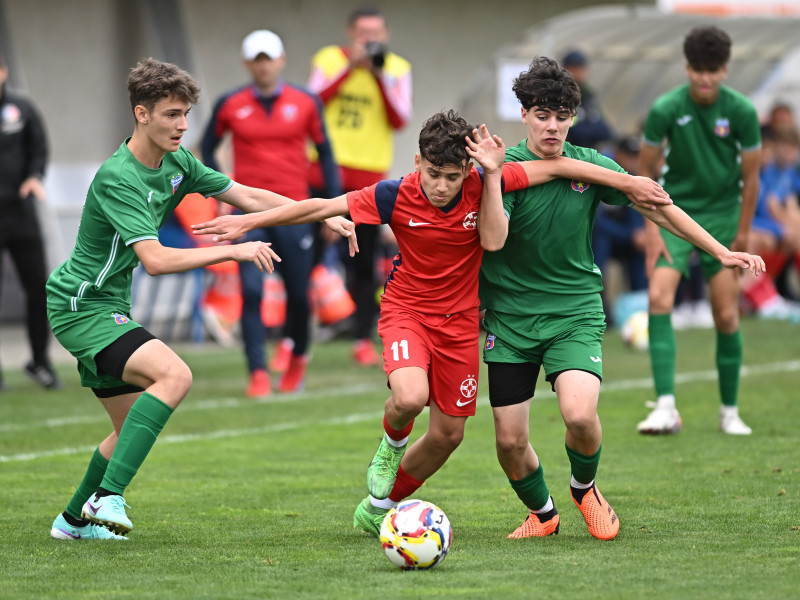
(436, 270)
(270, 137)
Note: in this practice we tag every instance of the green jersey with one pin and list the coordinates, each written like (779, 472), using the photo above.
(547, 265)
(702, 172)
(126, 203)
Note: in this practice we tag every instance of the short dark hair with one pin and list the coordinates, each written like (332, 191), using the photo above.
(366, 10)
(441, 141)
(152, 80)
(707, 48)
(548, 85)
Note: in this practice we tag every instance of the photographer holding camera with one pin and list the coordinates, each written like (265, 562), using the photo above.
(366, 90)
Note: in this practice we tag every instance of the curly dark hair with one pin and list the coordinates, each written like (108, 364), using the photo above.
(441, 141)
(548, 85)
(707, 48)
(152, 80)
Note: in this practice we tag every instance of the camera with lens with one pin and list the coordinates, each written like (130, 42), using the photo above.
(377, 53)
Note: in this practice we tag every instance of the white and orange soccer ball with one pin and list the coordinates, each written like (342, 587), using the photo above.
(635, 331)
(416, 535)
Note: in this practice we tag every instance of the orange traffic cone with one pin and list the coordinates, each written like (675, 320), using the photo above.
(329, 298)
(273, 303)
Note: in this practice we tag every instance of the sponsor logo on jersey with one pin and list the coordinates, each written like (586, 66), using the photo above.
(722, 128)
(596, 359)
(289, 112)
(579, 186)
(471, 220)
(149, 196)
(469, 387)
(489, 342)
(413, 223)
(120, 319)
(176, 182)
(684, 120)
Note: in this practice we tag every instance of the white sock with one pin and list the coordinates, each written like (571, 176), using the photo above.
(728, 410)
(666, 401)
(396, 443)
(580, 486)
(547, 507)
(386, 504)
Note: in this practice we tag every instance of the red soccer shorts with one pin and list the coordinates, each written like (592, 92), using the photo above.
(445, 346)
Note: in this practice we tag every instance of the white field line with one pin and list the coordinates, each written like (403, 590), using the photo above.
(644, 383)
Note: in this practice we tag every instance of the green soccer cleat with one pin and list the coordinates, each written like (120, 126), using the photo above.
(61, 530)
(382, 471)
(369, 518)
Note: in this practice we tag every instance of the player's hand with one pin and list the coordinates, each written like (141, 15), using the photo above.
(32, 186)
(259, 253)
(749, 262)
(226, 227)
(344, 228)
(645, 192)
(488, 150)
(654, 248)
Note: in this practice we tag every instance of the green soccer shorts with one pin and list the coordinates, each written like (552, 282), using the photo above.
(558, 343)
(85, 333)
(722, 227)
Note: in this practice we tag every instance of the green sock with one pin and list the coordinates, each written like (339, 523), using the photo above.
(584, 468)
(662, 353)
(91, 481)
(532, 489)
(729, 364)
(144, 422)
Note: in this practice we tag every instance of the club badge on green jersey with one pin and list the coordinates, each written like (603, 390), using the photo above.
(579, 186)
(176, 182)
(722, 128)
(120, 319)
(489, 341)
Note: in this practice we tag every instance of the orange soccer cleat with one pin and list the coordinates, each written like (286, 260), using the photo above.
(538, 525)
(600, 518)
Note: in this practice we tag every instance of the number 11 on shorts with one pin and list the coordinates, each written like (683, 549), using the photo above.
(397, 347)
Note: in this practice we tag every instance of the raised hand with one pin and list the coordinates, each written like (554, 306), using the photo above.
(488, 150)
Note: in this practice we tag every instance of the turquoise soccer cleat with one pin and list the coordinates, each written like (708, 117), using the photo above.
(62, 530)
(108, 511)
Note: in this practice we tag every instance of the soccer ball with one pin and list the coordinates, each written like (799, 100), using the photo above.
(416, 535)
(635, 331)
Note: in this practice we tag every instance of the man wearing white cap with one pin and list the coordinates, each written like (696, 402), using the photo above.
(270, 122)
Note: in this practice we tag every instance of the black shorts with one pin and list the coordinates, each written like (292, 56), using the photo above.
(112, 359)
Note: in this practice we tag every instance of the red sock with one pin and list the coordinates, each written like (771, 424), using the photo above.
(404, 486)
(396, 434)
(762, 291)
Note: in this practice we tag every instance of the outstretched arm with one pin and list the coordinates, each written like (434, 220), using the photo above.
(677, 222)
(231, 227)
(642, 191)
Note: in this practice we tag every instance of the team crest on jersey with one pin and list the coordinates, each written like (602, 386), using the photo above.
(579, 186)
(471, 220)
(469, 387)
(722, 128)
(289, 112)
(11, 120)
(120, 319)
(176, 182)
(489, 342)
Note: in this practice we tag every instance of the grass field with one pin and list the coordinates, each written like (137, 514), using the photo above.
(243, 499)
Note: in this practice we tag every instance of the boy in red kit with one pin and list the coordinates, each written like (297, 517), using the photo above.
(443, 215)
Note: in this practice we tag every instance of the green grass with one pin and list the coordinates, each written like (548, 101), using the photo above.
(255, 500)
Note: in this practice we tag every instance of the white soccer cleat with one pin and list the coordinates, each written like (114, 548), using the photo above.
(661, 421)
(731, 423)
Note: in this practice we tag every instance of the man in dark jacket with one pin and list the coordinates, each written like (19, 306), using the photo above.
(23, 158)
